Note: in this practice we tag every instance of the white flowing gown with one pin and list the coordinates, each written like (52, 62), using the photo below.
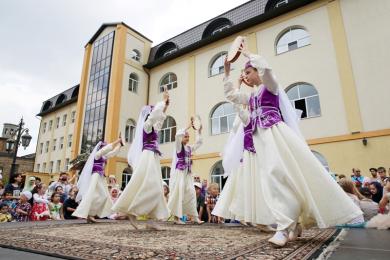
(144, 195)
(290, 182)
(182, 197)
(97, 200)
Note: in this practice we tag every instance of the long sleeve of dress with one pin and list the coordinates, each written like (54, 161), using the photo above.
(156, 118)
(265, 72)
(243, 114)
(198, 142)
(39, 200)
(107, 151)
(233, 94)
(179, 137)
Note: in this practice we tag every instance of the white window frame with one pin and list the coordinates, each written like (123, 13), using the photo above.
(70, 140)
(58, 166)
(297, 41)
(166, 173)
(50, 125)
(220, 29)
(305, 98)
(135, 55)
(217, 178)
(133, 82)
(212, 70)
(73, 116)
(61, 143)
(47, 146)
(54, 144)
(130, 130)
(171, 83)
(219, 118)
(44, 127)
(167, 131)
(64, 117)
(51, 165)
(57, 122)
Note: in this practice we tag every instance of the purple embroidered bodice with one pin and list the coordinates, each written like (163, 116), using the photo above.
(184, 160)
(149, 142)
(98, 165)
(248, 137)
(264, 109)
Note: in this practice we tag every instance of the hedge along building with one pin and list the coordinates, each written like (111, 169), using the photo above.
(328, 68)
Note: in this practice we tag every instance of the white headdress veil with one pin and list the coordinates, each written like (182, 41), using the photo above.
(291, 116)
(86, 174)
(136, 147)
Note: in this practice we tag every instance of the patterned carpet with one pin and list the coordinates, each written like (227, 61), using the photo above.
(118, 240)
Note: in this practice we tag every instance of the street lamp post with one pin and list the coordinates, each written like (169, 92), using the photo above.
(14, 144)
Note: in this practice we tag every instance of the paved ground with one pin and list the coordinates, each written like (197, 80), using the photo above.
(367, 244)
(364, 244)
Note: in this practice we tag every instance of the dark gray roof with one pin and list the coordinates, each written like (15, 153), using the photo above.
(105, 25)
(239, 18)
(64, 98)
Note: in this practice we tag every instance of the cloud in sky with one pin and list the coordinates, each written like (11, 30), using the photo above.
(42, 43)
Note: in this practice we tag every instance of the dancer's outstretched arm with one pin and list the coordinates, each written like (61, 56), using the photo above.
(198, 140)
(231, 93)
(108, 150)
(157, 116)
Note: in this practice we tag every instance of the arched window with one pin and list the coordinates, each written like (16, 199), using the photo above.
(165, 50)
(222, 118)
(168, 131)
(135, 55)
(291, 39)
(46, 106)
(216, 65)
(169, 81)
(61, 98)
(75, 92)
(216, 26)
(166, 173)
(322, 159)
(217, 174)
(133, 82)
(126, 176)
(304, 96)
(271, 4)
(130, 131)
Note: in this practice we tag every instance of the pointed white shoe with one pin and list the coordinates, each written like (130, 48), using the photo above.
(295, 233)
(280, 238)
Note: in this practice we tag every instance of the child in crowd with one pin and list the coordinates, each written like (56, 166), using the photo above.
(23, 207)
(8, 200)
(210, 201)
(55, 207)
(60, 190)
(5, 216)
(40, 209)
(70, 204)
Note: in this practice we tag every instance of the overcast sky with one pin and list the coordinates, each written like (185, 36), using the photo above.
(42, 43)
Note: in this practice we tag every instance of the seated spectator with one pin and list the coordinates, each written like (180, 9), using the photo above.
(70, 204)
(369, 207)
(200, 202)
(374, 175)
(55, 207)
(166, 191)
(358, 179)
(376, 191)
(14, 186)
(112, 182)
(382, 175)
(114, 196)
(37, 180)
(5, 216)
(40, 208)
(341, 176)
(63, 182)
(384, 203)
(29, 184)
(1, 188)
(23, 207)
(10, 202)
(60, 190)
(350, 189)
(210, 201)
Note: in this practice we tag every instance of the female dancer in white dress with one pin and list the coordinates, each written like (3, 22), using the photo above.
(293, 184)
(182, 198)
(144, 195)
(93, 191)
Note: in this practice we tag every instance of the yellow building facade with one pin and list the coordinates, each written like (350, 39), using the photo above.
(313, 46)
